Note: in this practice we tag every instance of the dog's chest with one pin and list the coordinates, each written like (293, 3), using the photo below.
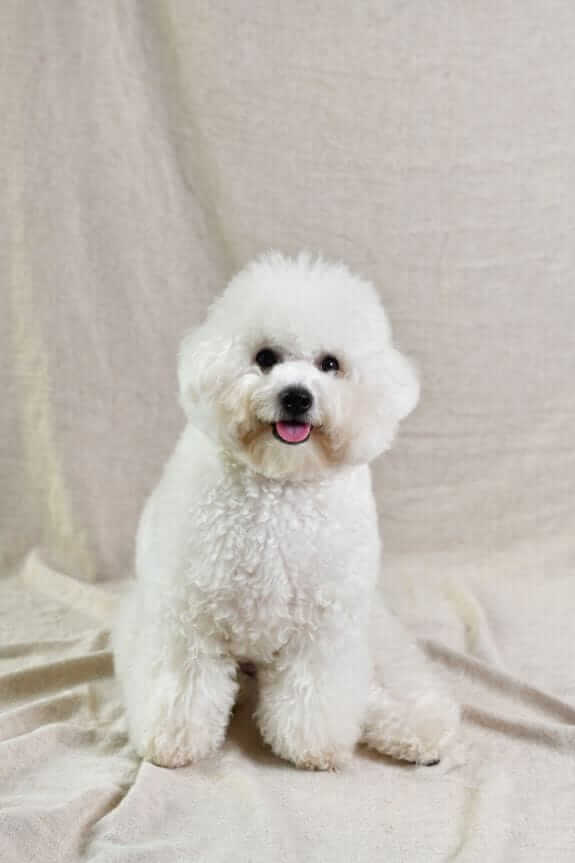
(262, 563)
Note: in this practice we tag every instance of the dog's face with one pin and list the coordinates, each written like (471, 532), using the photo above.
(294, 371)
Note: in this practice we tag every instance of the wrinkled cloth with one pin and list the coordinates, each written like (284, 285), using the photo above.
(148, 151)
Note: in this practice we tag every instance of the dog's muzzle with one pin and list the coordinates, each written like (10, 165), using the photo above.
(294, 427)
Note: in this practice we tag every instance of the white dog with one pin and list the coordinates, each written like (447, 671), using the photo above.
(261, 543)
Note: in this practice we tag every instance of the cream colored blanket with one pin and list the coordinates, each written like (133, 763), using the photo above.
(148, 150)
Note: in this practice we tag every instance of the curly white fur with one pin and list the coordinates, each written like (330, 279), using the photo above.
(254, 549)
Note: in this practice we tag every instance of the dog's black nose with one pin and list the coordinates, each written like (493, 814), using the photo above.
(295, 400)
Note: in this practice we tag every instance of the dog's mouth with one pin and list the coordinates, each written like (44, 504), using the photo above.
(291, 432)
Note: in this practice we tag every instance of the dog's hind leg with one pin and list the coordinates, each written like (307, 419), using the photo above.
(409, 715)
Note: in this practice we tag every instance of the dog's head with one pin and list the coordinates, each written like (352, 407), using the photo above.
(294, 371)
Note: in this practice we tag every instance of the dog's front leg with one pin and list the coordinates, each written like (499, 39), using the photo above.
(179, 687)
(313, 697)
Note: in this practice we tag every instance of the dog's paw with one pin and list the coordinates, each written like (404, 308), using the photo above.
(309, 744)
(170, 741)
(329, 759)
(173, 728)
(176, 747)
(419, 728)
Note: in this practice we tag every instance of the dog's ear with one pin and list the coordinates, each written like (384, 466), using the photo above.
(400, 384)
(389, 394)
(200, 361)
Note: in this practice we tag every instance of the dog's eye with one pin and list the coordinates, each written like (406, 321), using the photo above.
(329, 364)
(266, 358)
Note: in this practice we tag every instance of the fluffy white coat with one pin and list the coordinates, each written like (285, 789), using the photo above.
(255, 549)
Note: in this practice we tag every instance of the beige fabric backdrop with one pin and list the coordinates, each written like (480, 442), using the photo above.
(148, 150)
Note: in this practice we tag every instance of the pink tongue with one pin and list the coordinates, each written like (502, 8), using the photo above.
(293, 432)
